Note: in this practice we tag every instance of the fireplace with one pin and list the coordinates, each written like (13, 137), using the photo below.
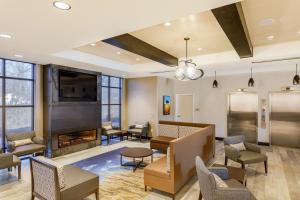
(78, 137)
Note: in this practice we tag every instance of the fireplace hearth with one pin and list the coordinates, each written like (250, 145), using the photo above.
(78, 137)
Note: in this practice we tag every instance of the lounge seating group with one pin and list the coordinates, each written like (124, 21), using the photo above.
(172, 171)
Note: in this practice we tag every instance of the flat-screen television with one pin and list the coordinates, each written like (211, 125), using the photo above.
(77, 86)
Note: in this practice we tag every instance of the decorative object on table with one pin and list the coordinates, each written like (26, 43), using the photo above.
(263, 113)
(252, 154)
(215, 83)
(251, 81)
(296, 79)
(166, 105)
(189, 70)
(136, 153)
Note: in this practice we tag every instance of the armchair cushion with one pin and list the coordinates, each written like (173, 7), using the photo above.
(38, 140)
(219, 182)
(139, 126)
(108, 127)
(112, 132)
(252, 147)
(28, 149)
(22, 142)
(232, 153)
(222, 172)
(248, 157)
(239, 146)
(135, 130)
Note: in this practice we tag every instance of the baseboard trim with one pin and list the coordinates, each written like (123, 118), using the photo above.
(264, 143)
(219, 138)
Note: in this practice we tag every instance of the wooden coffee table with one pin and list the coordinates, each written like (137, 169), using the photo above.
(136, 153)
(236, 173)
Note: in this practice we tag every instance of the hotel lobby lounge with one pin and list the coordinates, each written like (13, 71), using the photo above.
(153, 100)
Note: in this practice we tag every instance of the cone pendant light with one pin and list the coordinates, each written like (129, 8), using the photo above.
(215, 83)
(296, 79)
(251, 80)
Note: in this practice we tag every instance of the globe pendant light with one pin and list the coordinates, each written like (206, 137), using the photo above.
(296, 80)
(251, 80)
(215, 83)
(188, 71)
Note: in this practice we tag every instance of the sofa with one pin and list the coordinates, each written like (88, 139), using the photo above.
(34, 146)
(51, 181)
(8, 160)
(139, 130)
(171, 177)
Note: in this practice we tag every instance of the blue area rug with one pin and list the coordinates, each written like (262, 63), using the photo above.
(106, 162)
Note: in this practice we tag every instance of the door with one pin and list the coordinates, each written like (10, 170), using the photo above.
(242, 115)
(184, 107)
(285, 119)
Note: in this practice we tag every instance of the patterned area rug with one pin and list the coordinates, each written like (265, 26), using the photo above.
(116, 182)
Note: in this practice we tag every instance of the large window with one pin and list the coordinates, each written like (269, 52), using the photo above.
(16, 92)
(111, 99)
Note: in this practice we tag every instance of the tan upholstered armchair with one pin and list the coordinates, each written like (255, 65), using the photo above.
(36, 145)
(8, 160)
(139, 130)
(47, 184)
(211, 190)
(252, 154)
(109, 131)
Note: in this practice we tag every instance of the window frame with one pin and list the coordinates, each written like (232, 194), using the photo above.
(3, 106)
(109, 104)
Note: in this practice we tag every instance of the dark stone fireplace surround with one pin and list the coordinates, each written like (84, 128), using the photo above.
(68, 118)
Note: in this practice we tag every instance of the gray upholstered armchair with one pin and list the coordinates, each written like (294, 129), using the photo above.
(210, 189)
(252, 154)
(109, 131)
(36, 145)
(139, 130)
(8, 160)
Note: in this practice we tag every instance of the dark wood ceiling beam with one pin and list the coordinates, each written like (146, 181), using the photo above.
(137, 46)
(231, 19)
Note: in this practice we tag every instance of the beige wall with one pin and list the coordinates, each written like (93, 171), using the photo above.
(141, 103)
(38, 100)
(212, 103)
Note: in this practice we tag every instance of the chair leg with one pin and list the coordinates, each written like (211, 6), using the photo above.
(226, 160)
(200, 195)
(32, 197)
(19, 171)
(97, 194)
(107, 139)
(266, 166)
(243, 166)
(145, 188)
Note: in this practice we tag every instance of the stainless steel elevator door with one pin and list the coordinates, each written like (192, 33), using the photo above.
(285, 119)
(242, 115)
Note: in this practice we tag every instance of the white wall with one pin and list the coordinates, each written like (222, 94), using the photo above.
(212, 103)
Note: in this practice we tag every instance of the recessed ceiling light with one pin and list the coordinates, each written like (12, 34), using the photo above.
(6, 36)
(119, 53)
(61, 5)
(18, 56)
(167, 24)
(298, 32)
(270, 37)
(267, 22)
(93, 44)
(137, 59)
(199, 49)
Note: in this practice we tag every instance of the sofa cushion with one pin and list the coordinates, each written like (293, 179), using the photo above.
(19, 135)
(108, 127)
(79, 186)
(167, 130)
(187, 130)
(162, 139)
(28, 149)
(139, 126)
(158, 168)
(248, 157)
(135, 130)
(22, 142)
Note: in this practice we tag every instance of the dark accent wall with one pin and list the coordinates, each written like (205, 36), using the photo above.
(67, 117)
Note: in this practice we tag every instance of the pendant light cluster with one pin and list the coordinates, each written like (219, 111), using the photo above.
(296, 79)
(189, 70)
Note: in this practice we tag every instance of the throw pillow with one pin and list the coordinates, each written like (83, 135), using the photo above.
(168, 160)
(60, 170)
(239, 146)
(22, 142)
(108, 127)
(139, 126)
(219, 182)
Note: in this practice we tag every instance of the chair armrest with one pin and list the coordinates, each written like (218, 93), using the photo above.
(6, 160)
(38, 140)
(252, 147)
(231, 153)
(222, 172)
(10, 146)
(233, 193)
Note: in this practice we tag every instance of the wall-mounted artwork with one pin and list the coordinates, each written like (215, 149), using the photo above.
(167, 105)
